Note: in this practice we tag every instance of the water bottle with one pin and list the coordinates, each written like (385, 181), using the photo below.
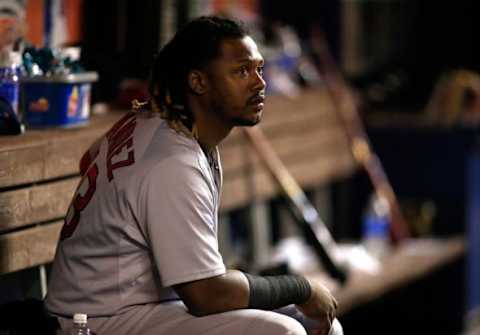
(80, 326)
(9, 80)
(376, 221)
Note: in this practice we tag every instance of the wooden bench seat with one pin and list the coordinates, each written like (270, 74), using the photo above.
(39, 170)
(38, 175)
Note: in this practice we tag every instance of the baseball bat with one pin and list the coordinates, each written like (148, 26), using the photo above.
(346, 108)
(303, 211)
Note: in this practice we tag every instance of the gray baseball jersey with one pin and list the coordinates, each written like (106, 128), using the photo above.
(144, 217)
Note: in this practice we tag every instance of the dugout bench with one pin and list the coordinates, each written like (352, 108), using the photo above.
(39, 171)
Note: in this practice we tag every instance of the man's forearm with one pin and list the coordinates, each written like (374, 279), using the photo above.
(236, 290)
(215, 295)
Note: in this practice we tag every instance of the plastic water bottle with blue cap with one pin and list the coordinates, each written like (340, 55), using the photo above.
(375, 226)
(9, 93)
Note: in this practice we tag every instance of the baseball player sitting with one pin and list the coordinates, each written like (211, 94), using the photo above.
(138, 251)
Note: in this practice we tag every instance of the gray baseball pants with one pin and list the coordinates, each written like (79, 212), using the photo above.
(172, 319)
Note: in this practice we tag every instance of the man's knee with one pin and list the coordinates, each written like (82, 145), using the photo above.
(336, 328)
(276, 323)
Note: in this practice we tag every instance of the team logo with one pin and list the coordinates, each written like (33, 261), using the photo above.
(40, 105)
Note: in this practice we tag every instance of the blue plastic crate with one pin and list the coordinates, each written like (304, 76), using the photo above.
(62, 101)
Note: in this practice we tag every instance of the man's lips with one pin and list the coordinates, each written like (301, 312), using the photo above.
(256, 100)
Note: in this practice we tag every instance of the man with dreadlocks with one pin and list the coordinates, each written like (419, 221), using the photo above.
(138, 251)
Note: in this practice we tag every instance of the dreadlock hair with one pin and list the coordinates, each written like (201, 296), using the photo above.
(193, 47)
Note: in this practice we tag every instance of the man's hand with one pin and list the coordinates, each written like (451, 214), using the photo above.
(321, 305)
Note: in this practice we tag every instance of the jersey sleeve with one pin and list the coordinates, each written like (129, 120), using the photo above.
(180, 217)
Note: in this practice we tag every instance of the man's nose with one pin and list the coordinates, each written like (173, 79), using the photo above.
(259, 83)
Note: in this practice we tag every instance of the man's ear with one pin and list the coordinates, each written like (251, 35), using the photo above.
(197, 82)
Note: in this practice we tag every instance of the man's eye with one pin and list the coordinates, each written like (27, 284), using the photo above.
(260, 70)
(243, 71)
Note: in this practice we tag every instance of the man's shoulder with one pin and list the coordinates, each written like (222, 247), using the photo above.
(170, 146)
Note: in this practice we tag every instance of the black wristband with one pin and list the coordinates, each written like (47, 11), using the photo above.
(271, 292)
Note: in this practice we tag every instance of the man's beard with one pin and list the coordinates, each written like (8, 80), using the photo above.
(243, 122)
(237, 121)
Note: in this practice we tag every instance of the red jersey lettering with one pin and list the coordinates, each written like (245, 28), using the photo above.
(89, 156)
(118, 125)
(120, 137)
(80, 202)
(128, 161)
